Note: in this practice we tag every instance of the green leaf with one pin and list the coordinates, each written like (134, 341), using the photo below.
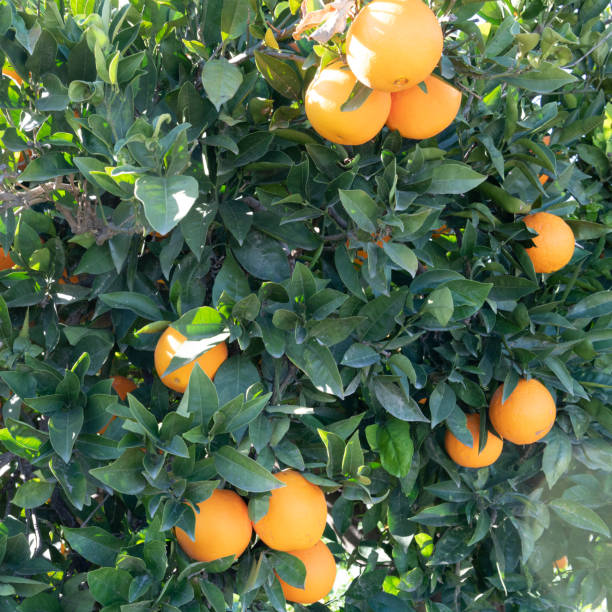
(33, 493)
(109, 586)
(244, 473)
(437, 516)
(332, 331)
(544, 79)
(138, 303)
(318, 364)
(454, 178)
(361, 208)
(596, 305)
(234, 17)
(279, 75)
(359, 94)
(353, 457)
(48, 166)
(291, 569)
(557, 456)
(123, 475)
(401, 255)
(64, 427)
(263, 257)
(442, 402)
(395, 401)
(166, 200)
(580, 516)
(234, 377)
(335, 447)
(221, 80)
(94, 544)
(395, 446)
(214, 595)
(200, 398)
(440, 304)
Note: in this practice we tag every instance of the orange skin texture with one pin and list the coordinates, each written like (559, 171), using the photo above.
(470, 457)
(416, 114)
(6, 261)
(320, 574)
(327, 92)
(561, 563)
(222, 528)
(527, 415)
(296, 516)
(122, 386)
(392, 45)
(554, 244)
(167, 346)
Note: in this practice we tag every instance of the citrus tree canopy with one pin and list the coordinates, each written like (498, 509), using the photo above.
(305, 303)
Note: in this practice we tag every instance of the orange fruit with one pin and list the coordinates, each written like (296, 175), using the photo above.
(296, 515)
(444, 229)
(122, 386)
(222, 528)
(527, 415)
(5, 260)
(560, 564)
(320, 574)
(168, 345)
(419, 115)
(470, 457)
(71, 279)
(543, 178)
(546, 139)
(10, 72)
(554, 244)
(394, 44)
(327, 92)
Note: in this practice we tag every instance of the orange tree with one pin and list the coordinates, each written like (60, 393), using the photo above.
(158, 168)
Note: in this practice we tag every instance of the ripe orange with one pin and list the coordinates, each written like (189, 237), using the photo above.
(554, 244)
(122, 386)
(168, 345)
(470, 457)
(419, 115)
(71, 279)
(6, 261)
(325, 95)
(320, 574)
(394, 44)
(222, 528)
(10, 72)
(296, 516)
(560, 564)
(527, 415)
(444, 229)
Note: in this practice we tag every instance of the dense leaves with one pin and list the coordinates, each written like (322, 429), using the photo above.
(157, 168)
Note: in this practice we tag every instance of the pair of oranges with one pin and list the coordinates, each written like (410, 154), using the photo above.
(294, 524)
(526, 416)
(391, 47)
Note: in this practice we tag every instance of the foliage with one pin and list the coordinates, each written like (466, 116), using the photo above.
(185, 118)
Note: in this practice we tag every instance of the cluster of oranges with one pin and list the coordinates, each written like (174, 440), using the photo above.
(526, 416)
(294, 524)
(392, 47)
